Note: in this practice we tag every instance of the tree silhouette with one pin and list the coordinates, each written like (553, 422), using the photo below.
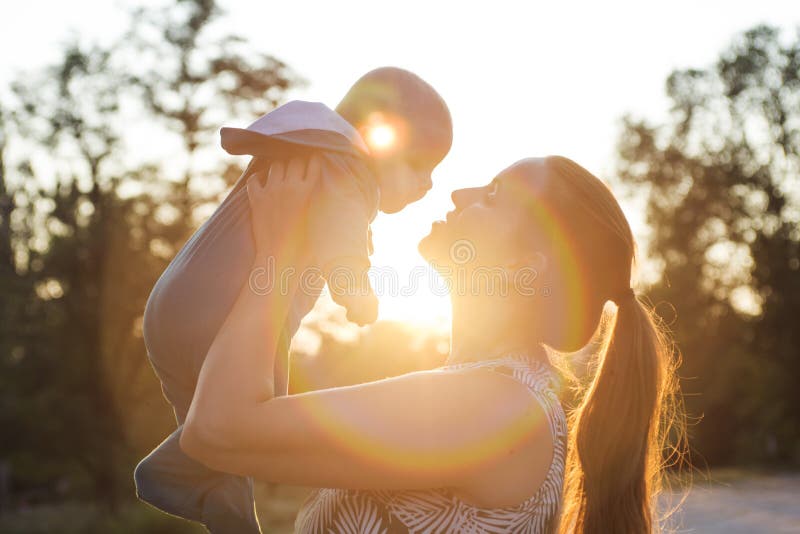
(91, 219)
(720, 178)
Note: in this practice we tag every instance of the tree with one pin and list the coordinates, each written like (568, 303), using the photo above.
(720, 178)
(191, 83)
(91, 219)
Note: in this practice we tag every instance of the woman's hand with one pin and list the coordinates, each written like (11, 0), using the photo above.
(279, 208)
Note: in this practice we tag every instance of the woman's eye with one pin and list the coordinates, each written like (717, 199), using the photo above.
(491, 194)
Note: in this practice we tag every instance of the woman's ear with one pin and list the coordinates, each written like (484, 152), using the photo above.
(535, 260)
(540, 262)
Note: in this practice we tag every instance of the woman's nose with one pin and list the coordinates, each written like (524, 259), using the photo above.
(456, 197)
(461, 197)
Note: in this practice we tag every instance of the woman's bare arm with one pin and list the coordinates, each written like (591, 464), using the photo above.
(239, 368)
(420, 430)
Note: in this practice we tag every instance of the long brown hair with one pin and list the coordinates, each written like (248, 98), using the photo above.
(627, 423)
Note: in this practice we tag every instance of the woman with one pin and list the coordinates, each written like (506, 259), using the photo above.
(481, 444)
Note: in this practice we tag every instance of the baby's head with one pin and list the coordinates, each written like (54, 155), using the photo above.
(407, 127)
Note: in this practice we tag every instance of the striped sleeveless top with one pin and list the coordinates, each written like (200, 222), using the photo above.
(346, 511)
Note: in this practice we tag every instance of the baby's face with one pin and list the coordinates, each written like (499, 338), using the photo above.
(403, 180)
(404, 154)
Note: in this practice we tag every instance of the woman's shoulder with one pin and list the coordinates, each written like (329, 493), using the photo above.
(534, 371)
(542, 380)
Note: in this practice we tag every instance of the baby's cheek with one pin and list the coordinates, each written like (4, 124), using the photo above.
(396, 190)
(402, 185)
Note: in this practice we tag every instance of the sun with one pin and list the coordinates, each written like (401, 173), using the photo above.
(408, 288)
(423, 309)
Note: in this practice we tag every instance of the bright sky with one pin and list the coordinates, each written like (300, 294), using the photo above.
(521, 78)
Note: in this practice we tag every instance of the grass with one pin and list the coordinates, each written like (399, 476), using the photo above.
(87, 518)
(277, 507)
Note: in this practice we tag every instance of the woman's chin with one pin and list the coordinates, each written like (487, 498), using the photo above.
(430, 245)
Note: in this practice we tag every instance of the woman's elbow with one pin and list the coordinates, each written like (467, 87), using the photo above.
(205, 441)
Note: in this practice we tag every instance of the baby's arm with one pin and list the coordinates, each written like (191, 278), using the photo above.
(339, 235)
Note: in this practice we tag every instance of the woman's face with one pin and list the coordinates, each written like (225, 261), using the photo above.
(489, 226)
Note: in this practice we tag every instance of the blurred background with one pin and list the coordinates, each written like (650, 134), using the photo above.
(110, 159)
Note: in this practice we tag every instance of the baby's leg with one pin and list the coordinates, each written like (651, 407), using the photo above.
(185, 310)
(176, 484)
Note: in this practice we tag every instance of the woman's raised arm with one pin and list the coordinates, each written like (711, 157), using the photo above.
(238, 370)
(420, 430)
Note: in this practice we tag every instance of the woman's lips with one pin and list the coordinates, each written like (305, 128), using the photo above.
(448, 218)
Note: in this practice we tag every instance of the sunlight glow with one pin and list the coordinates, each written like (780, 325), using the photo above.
(425, 309)
(384, 132)
(381, 136)
(510, 434)
(408, 289)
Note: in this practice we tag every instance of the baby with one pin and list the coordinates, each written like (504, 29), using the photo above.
(378, 151)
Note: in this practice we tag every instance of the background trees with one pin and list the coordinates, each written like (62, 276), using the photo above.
(89, 221)
(109, 160)
(723, 203)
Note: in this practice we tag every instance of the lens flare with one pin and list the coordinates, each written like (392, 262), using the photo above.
(381, 136)
(384, 132)
(352, 438)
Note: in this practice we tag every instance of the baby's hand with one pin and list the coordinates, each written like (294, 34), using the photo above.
(279, 208)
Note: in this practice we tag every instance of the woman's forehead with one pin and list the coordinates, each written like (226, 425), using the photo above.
(529, 174)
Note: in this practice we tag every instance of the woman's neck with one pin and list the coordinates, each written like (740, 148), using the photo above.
(485, 331)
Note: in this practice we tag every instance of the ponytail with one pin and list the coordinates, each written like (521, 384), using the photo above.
(623, 419)
(619, 429)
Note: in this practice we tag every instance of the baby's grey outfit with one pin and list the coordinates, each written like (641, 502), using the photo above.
(196, 292)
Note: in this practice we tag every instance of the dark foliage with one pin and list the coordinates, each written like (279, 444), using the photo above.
(721, 181)
(89, 221)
